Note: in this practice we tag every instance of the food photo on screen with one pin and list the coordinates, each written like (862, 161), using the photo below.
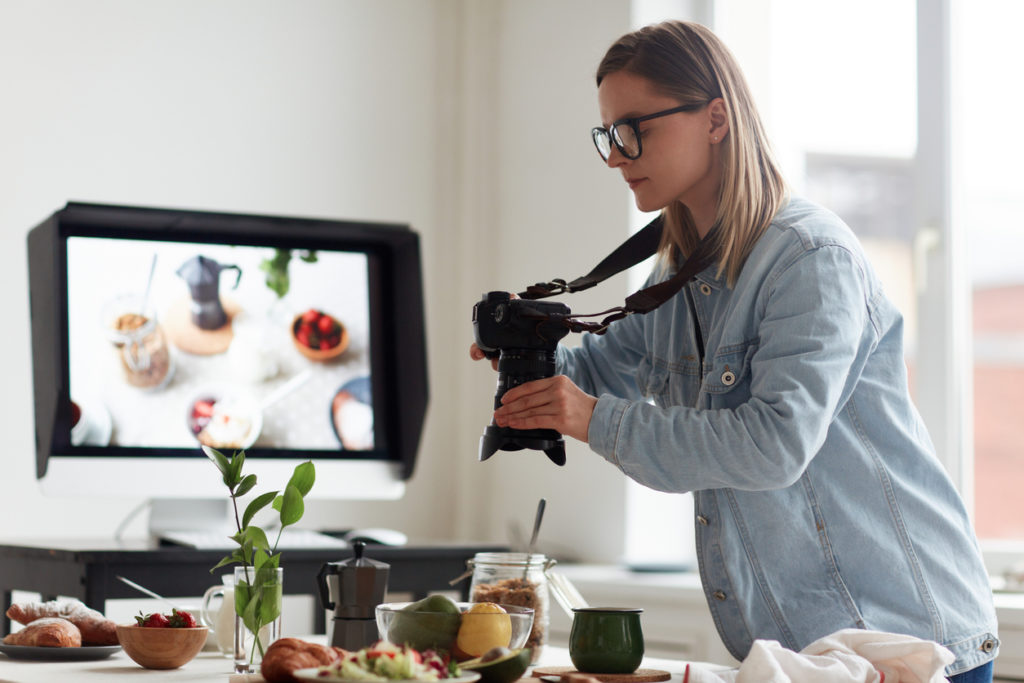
(173, 344)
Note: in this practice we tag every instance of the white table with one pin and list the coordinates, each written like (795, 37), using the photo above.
(207, 666)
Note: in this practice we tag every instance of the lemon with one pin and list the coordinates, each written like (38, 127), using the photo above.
(484, 625)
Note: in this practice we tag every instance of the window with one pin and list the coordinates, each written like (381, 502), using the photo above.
(934, 195)
(988, 206)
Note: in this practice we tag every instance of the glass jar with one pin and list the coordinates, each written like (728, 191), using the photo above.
(515, 579)
(139, 341)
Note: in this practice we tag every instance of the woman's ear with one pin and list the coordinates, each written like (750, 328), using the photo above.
(718, 120)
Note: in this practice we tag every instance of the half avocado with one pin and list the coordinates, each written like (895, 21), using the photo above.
(499, 664)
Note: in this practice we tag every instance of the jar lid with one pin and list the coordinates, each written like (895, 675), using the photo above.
(510, 559)
(613, 610)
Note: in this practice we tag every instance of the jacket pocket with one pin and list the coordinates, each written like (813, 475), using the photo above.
(727, 375)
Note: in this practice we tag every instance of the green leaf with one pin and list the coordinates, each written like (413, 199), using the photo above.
(308, 256)
(255, 537)
(303, 477)
(270, 602)
(220, 460)
(246, 550)
(235, 556)
(259, 560)
(242, 593)
(250, 612)
(237, 461)
(257, 504)
(292, 507)
(248, 484)
(276, 269)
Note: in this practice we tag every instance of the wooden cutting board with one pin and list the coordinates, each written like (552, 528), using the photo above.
(638, 676)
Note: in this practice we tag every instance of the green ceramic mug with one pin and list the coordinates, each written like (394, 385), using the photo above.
(606, 640)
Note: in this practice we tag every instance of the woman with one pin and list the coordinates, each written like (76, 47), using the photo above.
(777, 378)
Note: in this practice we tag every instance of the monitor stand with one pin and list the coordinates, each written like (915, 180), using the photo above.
(206, 516)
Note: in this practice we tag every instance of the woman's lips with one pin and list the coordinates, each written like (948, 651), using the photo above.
(633, 182)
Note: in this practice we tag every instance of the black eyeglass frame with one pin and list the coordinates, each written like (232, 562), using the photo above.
(633, 123)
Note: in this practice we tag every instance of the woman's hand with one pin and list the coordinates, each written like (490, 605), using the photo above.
(476, 354)
(549, 403)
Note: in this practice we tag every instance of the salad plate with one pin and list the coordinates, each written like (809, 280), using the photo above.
(314, 674)
(59, 654)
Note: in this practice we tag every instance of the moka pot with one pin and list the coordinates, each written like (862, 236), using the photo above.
(202, 274)
(357, 585)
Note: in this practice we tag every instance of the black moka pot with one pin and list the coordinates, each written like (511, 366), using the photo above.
(358, 586)
(203, 277)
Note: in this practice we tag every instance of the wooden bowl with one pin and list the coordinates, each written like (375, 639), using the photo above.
(161, 648)
(320, 354)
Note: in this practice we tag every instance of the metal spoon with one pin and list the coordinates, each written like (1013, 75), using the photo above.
(533, 536)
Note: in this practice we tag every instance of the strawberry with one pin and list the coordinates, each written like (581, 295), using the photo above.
(203, 408)
(325, 344)
(311, 316)
(182, 619)
(155, 620)
(325, 325)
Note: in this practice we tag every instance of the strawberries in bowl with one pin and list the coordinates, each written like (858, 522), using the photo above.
(318, 335)
(176, 619)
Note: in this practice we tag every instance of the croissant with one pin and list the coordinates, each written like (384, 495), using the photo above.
(95, 628)
(286, 655)
(46, 632)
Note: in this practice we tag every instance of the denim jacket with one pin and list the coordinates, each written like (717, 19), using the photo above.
(819, 502)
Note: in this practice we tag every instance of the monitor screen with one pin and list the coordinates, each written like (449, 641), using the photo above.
(266, 371)
(157, 330)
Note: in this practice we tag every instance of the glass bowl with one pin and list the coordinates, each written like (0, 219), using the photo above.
(465, 638)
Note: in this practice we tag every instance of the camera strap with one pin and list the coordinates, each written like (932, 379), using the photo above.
(638, 247)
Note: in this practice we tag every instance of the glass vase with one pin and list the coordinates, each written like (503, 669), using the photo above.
(258, 598)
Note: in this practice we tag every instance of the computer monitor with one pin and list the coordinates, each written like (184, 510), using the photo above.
(155, 330)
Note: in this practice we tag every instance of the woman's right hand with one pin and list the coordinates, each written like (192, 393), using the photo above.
(476, 354)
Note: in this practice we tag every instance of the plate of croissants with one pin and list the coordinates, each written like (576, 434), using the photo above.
(59, 630)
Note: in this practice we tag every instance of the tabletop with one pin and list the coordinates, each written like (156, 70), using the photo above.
(212, 666)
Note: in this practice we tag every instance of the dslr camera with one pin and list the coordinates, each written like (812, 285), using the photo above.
(522, 335)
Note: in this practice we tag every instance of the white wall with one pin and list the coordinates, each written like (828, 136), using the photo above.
(468, 120)
(557, 211)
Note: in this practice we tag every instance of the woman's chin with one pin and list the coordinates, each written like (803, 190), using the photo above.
(646, 205)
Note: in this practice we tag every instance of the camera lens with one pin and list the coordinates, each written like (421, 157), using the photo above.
(515, 367)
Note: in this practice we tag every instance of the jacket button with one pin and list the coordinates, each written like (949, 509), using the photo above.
(728, 378)
(988, 645)
(719, 595)
(705, 288)
(702, 519)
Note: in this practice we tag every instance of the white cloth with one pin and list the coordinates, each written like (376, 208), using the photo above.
(846, 656)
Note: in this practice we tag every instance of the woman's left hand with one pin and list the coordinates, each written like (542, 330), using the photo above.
(549, 403)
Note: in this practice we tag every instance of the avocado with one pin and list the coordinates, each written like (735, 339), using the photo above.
(428, 624)
(499, 664)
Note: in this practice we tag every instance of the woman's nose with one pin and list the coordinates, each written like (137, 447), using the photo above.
(615, 158)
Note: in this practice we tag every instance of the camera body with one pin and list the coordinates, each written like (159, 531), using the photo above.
(523, 336)
(501, 322)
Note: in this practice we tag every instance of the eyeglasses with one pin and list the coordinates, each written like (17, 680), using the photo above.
(625, 133)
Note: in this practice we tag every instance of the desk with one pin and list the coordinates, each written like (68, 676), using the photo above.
(86, 569)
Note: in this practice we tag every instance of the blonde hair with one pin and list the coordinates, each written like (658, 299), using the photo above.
(688, 62)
